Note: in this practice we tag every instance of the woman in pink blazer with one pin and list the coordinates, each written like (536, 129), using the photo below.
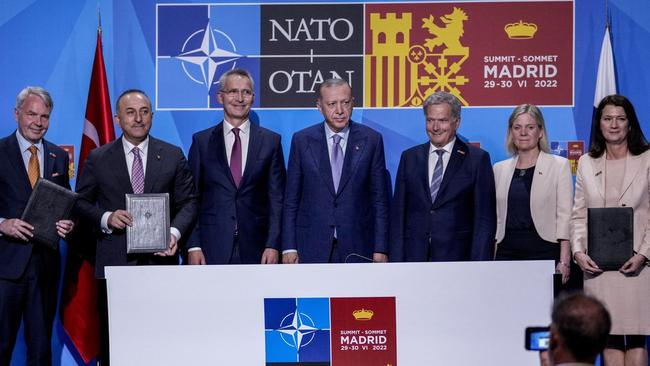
(534, 195)
(616, 173)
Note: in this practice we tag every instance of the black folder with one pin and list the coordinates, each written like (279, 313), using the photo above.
(48, 204)
(611, 236)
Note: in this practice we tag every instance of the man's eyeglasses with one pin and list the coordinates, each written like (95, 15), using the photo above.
(232, 93)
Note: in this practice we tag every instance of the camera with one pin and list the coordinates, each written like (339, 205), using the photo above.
(537, 338)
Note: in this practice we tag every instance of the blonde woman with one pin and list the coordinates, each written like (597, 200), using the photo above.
(534, 195)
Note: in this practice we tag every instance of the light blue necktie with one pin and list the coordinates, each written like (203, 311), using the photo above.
(436, 178)
(337, 161)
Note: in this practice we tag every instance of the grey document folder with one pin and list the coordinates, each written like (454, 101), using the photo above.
(150, 230)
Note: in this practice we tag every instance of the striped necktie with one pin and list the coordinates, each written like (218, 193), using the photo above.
(436, 178)
(137, 172)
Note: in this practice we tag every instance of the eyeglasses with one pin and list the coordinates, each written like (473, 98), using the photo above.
(233, 93)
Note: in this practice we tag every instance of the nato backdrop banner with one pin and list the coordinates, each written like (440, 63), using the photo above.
(393, 54)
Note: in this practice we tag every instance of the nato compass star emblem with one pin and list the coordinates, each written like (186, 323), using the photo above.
(297, 330)
(215, 49)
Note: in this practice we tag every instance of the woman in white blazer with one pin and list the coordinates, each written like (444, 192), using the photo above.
(616, 173)
(534, 195)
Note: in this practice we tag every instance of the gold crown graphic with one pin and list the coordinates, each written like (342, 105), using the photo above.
(363, 314)
(520, 30)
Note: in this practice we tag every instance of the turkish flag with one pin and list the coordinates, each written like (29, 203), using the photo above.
(79, 313)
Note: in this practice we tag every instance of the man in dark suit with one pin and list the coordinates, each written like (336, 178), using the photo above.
(444, 203)
(239, 172)
(134, 163)
(336, 201)
(29, 273)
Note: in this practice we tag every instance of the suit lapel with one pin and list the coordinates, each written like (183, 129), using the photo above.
(320, 155)
(598, 170)
(117, 160)
(511, 170)
(353, 152)
(15, 158)
(154, 164)
(254, 144)
(48, 161)
(217, 140)
(422, 166)
(456, 160)
(542, 167)
(632, 167)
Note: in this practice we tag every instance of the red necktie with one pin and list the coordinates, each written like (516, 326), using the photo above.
(235, 158)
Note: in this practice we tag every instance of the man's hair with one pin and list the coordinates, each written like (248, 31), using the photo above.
(583, 323)
(331, 82)
(237, 72)
(441, 97)
(130, 91)
(37, 91)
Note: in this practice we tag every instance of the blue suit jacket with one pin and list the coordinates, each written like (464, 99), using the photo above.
(460, 224)
(14, 194)
(105, 181)
(358, 211)
(256, 207)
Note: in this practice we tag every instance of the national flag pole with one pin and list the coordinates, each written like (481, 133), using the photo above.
(79, 313)
(606, 77)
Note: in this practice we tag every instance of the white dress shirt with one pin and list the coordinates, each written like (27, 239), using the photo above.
(244, 137)
(128, 153)
(330, 141)
(433, 157)
(24, 146)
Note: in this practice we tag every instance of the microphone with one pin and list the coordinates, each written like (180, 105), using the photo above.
(369, 260)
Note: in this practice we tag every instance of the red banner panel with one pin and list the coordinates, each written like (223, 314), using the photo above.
(363, 331)
(487, 53)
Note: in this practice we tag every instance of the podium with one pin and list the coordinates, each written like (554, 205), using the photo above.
(452, 313)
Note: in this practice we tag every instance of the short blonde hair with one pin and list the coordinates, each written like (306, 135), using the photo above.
(534, 112)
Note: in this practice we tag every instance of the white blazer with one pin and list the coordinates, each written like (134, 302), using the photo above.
(590, 192)
(551, 196)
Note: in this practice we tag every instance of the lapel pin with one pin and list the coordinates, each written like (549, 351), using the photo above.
(158, 157)
(53, 155)
(460, 152)
(356, 147)
(540, 173)
(55, 174)
(599, 173)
